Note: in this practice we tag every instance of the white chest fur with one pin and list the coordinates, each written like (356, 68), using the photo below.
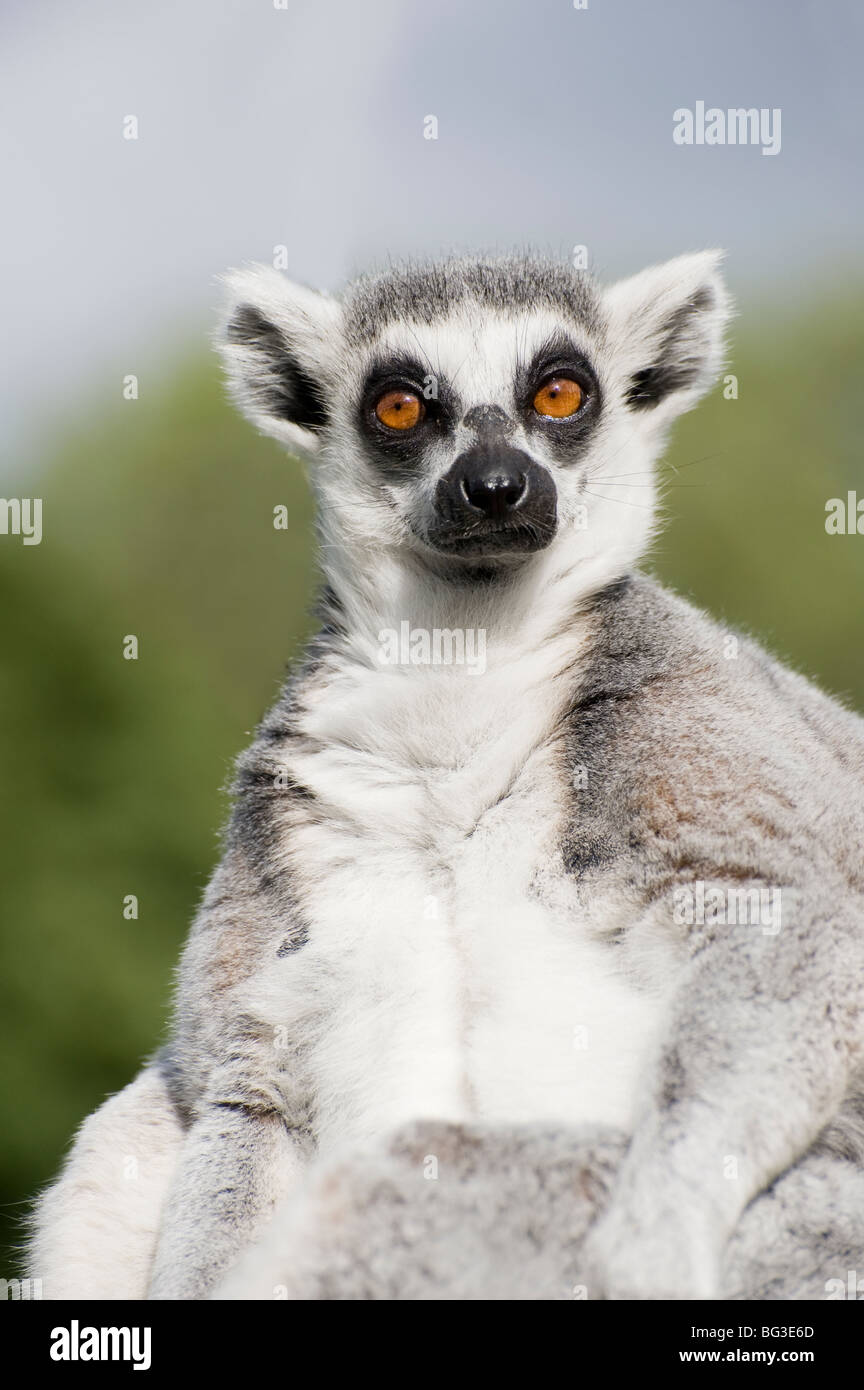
(451, 969)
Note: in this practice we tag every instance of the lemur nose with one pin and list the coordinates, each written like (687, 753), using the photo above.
(494, 489)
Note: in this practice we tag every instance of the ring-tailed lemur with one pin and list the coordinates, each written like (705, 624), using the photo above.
(605, 876)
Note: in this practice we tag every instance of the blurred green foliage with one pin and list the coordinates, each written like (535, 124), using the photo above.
(158, 523)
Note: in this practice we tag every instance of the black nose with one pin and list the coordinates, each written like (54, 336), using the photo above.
(493, 499)
(494, 486)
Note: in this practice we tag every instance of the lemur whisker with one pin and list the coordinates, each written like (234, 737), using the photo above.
(459, 368)
(424, 353)
(620, 501)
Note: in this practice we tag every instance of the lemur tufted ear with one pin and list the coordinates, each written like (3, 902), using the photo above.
(277, 341)
(666, 332)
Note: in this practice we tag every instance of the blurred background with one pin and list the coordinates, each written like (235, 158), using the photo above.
(300, 126)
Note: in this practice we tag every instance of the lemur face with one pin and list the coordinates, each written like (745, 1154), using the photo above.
(478, 413)
(477, 424)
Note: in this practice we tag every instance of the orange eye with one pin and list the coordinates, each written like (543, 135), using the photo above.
(558, 398)
(400, 410)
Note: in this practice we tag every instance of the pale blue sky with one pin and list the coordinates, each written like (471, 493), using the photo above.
(304, 126)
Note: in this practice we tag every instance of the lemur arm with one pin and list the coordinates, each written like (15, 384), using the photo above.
(95, 1228)
(244, 1148)
(758, 1052)
(236, 1164)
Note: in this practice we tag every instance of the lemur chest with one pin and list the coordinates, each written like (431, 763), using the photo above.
(452, 968)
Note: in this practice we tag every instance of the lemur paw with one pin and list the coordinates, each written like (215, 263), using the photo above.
(625, 1258)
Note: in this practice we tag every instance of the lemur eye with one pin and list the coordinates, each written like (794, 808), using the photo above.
(558, 398)
(400, 410)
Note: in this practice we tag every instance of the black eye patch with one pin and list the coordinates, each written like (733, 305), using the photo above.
(566, 436)
(401, 450)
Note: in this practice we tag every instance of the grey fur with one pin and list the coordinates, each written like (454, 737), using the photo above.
(430, 291)
(621, 757)
(504, 1214)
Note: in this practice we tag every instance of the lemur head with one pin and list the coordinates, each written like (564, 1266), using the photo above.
(479, 417)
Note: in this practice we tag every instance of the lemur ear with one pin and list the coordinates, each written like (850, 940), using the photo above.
(277, 341)
(666, 332)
